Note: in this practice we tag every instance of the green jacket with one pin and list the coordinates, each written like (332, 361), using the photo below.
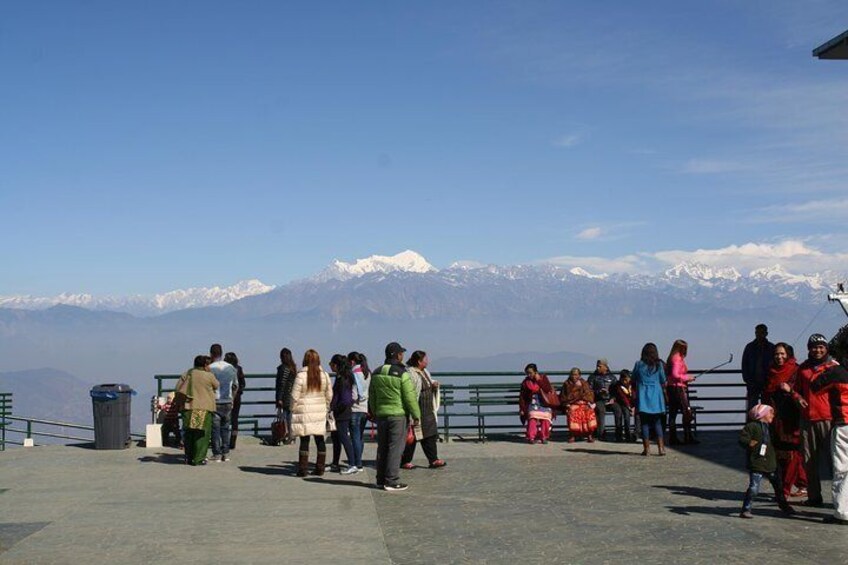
(758, 463)
(391, 393)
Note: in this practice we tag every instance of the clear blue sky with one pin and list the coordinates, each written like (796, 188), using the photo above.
(159, 145)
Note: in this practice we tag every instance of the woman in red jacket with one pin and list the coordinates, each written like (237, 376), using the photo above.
(786, 429)
(536, 405)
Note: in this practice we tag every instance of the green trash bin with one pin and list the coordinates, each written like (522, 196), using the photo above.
(111, 404)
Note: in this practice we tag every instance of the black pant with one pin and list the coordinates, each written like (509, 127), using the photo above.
(428, 444)
(319, 443)
(341, 438)
(755, 394)
(391, 440)
(601, 415)
(622, 421)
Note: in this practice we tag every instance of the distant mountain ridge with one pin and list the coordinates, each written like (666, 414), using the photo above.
(688, 281)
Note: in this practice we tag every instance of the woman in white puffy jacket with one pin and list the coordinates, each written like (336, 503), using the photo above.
(311, 396)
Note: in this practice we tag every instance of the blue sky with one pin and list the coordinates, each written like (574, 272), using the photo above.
(156, 146)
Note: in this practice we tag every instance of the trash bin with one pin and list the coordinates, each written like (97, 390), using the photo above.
(111, 403)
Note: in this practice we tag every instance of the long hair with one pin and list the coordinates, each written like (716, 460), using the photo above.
(679, 346)
(416, 358)
(650, 356)
(342, 366)
(231, 358)
(312, 364)
(287, 360)
(357, 358)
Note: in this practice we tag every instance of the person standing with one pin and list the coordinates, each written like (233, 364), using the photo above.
(834, 383)
(391, 398)
(227, 376)
(342, 408)
(286, 373)
(816, 415)
(649, 380)
(241, 382)
(311, 396)
(359, 411)
(622, 394)
(196, 392)
(678, 393)
(428, 431)
(786, 429)
(762, 463)
(756, 360)
(600, 381)
(535, 404)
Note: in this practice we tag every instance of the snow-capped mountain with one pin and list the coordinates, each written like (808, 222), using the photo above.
(144, 305)
(700, 273)
(406, 261)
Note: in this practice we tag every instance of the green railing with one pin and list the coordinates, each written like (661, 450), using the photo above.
(30, 431)
(5, 413)
(472, 407)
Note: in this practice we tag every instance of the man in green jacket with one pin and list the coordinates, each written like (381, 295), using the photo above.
(391, 398)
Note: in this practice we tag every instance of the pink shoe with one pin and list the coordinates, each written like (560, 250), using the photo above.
(407, 466)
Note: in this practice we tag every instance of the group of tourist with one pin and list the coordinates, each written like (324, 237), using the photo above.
(642, 394)
(402, 400)
(798, 415)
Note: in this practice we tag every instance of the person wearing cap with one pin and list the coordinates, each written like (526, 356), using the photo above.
(756, 360)
(391, 399)
(816, 412)
(834, 383)
(762, 461)
(600, 382)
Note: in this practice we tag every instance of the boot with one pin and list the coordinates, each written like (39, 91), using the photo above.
(660, 446)
(320, 463)
(672, 434)
(302, 463)
(689, 436)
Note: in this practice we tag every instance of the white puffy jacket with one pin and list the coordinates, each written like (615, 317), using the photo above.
(309, 409)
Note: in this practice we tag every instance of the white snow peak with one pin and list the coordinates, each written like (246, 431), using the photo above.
(406, 261)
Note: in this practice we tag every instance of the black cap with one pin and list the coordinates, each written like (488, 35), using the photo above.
(816, 339)
(393, 349)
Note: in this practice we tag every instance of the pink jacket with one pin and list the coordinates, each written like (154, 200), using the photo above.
(678, 372)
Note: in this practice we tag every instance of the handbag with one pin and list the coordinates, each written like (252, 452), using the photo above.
(279, 430)
(331, 422)
(410, 436)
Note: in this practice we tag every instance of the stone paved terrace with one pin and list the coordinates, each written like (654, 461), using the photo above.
(498, 502)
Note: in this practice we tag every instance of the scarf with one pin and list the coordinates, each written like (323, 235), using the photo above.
(780, 375)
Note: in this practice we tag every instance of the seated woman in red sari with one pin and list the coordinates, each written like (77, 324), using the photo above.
(578, 401)
(536, 404)
(786, 427)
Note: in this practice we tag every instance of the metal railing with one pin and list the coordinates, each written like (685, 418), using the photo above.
(463, 410)
(29, 431)
(5, 413)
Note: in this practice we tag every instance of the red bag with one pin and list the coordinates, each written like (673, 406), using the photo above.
(410, 436)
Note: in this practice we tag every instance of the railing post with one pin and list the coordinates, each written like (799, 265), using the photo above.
(29, 429)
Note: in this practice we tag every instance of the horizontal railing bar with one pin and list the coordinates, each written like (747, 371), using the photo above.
(48, 434)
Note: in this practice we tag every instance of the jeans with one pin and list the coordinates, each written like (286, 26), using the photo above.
(221, 429)
(601, 416)
(287, 415)
(651, 422)
(754, 480)
(356, 433)
(622, 421)
(391, 441)
(341, 438)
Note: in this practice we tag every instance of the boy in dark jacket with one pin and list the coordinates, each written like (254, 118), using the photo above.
(762, 460)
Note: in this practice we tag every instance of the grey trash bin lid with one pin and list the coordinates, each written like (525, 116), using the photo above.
(110, 391)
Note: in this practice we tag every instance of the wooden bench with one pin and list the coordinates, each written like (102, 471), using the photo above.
(482, 396)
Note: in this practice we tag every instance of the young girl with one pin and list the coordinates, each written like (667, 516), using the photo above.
(762, 461)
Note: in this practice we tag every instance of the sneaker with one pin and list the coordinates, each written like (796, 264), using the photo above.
(407, 466)
(350, 471)
(397, 487)
(215, 459)
(360, 469)
(224, 458)
(746, 514)
(335, 468)
(438, 463)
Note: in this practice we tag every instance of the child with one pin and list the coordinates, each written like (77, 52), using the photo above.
(169, 417)
(762, 461)
(622, 394)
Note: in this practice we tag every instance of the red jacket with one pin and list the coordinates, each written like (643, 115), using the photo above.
(529, 387)
(818, 409)
(834, 384)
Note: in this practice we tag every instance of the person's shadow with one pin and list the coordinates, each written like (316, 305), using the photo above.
(601, 452)
(286, 470)
(164, 458)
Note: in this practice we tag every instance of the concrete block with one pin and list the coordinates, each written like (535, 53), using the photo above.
(154, 435)
(29, 442)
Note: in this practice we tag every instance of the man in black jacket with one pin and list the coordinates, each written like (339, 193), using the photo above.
(756, 361)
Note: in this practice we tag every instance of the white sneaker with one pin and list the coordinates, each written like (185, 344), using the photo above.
(360, 469)
(350, 471)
